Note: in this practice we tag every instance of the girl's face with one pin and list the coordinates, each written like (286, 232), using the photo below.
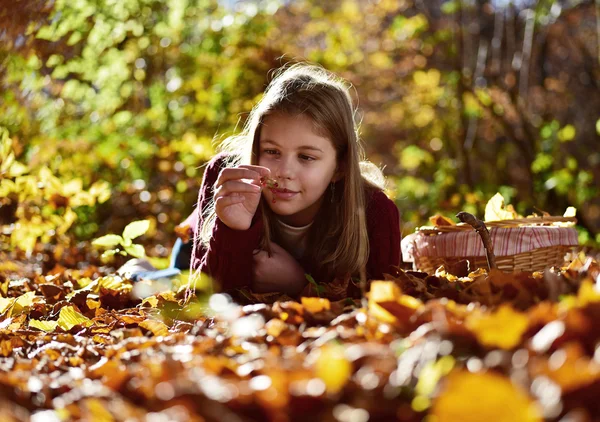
(302, 162)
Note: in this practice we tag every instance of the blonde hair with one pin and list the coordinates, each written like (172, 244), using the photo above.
(338, 239)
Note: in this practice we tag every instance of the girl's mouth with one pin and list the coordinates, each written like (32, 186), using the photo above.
(283, 193)
(278, 190)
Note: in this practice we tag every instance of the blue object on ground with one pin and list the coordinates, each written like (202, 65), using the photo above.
(180, 260)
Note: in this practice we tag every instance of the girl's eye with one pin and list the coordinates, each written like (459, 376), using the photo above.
(270, 151)
(307, 158)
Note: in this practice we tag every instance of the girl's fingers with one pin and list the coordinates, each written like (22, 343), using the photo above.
(226, 201)
(263, 171)
(234, 186)
(242, 172)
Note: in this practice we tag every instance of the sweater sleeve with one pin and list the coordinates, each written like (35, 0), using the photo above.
(383, 224)
(228, 257)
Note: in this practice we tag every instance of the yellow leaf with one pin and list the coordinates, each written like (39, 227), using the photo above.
(315, 304)
(23, 302)
(503, 328)
(69, 317)
(431, 373)
(383, 291)
(479, 397)
(136, 229)
(570, 212)
(72, 187)
(157, 328)
(47, 326)
(67, 221)
(587, 293)
(92, 303)
(275, 327)
(333, 367)
(151, 300)
(495, 211)
(101, 190)
(96, 409)
(5, 303)
(168, 295)
(113, 283)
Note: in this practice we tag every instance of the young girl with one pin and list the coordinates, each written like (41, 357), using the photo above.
(322, 212)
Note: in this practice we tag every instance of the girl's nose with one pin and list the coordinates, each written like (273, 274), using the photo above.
(284, 170)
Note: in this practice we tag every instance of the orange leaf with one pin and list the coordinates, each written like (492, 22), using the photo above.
(315, 304)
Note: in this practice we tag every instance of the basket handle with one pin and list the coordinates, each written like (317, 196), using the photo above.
(483, 232)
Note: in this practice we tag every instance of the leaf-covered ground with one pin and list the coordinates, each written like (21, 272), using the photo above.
(77, 342)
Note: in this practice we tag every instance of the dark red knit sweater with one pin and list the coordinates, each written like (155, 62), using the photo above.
(228, 259)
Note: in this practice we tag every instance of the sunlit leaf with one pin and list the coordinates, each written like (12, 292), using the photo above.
(136, 229)
(431, 374)
(383, 291)
(5, 303)
(150, 300)
(47, 326)
(108, 241)
(135, 250)
(315, 304)
(478, 397)
(333, 367)
(494, 209)
(570, 212)
(69, 317)
(101, 190)
(112, 282)
(587, 293)
(503, 328)
(22, 302)
(157, 328)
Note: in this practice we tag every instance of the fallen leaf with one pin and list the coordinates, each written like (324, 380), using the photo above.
(69, 317)
(475, 397)
(503, 328)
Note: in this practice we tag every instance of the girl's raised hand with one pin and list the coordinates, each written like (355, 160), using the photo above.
(237, 194)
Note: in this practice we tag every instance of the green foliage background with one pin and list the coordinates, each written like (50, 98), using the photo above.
(458, 101)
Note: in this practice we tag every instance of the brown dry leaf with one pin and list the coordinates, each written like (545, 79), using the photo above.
(184, 232)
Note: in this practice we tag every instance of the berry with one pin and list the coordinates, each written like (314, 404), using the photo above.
(270, 183)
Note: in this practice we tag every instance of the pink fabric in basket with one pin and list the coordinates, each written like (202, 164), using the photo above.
(468, 243)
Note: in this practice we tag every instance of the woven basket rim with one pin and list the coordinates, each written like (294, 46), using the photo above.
(546, 221)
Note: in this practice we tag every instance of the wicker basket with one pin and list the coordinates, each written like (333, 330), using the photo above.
(532, 260)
